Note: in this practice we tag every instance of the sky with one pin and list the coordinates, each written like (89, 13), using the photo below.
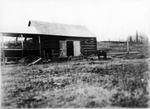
(107, 19)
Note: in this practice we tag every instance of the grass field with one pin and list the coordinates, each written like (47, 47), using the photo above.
(122, 81)
(93, 83)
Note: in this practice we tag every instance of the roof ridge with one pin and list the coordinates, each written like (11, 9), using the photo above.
(56, 23)
(60, 29)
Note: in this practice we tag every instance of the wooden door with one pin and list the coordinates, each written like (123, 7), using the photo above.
(77, 49)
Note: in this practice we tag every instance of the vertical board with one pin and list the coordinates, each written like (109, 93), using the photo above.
(62, 46)
(77, 48)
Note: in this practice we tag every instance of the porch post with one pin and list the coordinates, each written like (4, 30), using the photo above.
(22, 44)
(127, 46)
(2, 49)
(40, 51)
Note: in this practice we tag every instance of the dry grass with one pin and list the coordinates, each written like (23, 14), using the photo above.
(120, 83)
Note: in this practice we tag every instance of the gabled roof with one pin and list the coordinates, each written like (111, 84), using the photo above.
(60, 29)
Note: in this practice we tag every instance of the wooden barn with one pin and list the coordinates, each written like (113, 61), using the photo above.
(50, 40)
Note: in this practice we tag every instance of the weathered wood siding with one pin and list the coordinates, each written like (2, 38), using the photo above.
(88, 46)
(48, 42)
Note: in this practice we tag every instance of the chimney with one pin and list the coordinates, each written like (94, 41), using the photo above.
(29, 23)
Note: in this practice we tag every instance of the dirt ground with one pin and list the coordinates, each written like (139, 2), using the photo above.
(118, 82)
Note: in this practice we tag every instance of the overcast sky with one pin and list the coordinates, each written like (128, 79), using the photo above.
(107, 19)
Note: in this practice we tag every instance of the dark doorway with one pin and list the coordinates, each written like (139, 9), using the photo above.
(70, 48)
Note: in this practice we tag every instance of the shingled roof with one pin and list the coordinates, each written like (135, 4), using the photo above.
(60, 29)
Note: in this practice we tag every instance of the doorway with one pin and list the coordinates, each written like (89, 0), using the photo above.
(70, 49)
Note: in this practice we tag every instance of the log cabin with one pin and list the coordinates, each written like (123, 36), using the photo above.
(50, 40)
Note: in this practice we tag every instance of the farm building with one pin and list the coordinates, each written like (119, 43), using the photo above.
(49, 40)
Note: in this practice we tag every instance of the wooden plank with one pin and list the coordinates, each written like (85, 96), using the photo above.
(77, 48)
(34, 62)
(88, 45)
(22, 44)
(12, 49)
(40, 46)
(2, 50)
